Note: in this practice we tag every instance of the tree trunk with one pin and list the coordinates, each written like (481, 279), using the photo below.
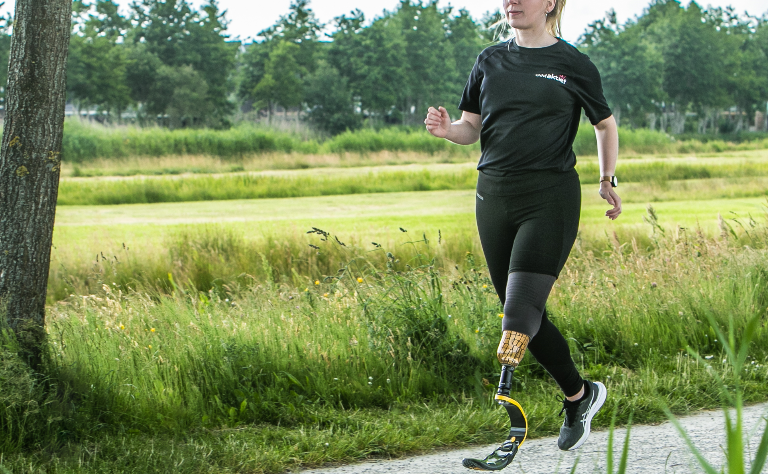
(715, 121)
(652, 121)
(30, 160)
(703, 119)
(678, 120)
(740, 121)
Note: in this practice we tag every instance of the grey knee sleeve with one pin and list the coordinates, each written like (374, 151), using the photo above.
(527, 295)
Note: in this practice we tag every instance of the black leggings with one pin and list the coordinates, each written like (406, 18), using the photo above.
(527, 226)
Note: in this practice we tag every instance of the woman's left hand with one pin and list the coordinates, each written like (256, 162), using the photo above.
(607, 193)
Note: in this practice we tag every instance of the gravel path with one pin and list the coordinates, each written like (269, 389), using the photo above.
(653, 449)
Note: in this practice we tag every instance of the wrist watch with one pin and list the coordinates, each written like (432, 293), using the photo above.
(611, 179)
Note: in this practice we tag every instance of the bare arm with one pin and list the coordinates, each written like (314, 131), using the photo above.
(608, 153)
(464, 131)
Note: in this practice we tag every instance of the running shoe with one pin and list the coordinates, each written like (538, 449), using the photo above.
(578, 416)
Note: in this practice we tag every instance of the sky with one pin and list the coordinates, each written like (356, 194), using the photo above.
(248, 17)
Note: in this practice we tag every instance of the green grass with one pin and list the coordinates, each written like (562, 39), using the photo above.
(204, 164)
(211, 337)
(661, 175)
(215, 243)
(258, 376)
(247, 186)
(376, 212)
(83, 142)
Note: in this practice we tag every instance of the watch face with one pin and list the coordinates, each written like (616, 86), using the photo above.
(614, 181)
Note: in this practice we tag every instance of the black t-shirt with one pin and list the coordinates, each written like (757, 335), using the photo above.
(530, 102)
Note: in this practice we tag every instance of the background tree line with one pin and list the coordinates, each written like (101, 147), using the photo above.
(658, 70)
(673, 68)
(167, 61)
(674, 62)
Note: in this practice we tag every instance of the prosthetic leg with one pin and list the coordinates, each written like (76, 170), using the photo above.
(511, 351)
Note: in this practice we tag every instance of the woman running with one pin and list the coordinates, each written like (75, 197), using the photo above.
(523, 100)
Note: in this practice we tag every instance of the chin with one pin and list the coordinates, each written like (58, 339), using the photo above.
(519, 24)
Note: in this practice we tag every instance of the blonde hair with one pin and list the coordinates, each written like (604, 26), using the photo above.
(555, 19)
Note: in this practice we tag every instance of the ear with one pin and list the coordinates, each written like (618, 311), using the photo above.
(551, 6)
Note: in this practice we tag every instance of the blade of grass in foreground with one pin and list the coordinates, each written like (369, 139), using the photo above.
(737, 355)
(624, 450)
(762, 452)
(699, 457)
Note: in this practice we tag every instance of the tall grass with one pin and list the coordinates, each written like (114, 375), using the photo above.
(202, 164)
(730, 383)
(215, 257)
(212, 256)
(248, 186)
(84, 142)
(255, 186)
(368, 141)
(258, 362)
(644, 141)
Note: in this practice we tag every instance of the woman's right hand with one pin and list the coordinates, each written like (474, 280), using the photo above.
(438, 122)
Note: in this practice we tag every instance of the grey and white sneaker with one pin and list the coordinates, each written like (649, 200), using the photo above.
(578, 416)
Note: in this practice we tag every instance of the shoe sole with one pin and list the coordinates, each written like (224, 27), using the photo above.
(602, 393)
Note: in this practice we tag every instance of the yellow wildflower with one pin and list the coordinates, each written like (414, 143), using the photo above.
(359, 280)
(152, 330)
(317, 282)
(122, 327)
(501, 315)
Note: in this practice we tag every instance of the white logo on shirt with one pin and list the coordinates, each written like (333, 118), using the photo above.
(559, 78)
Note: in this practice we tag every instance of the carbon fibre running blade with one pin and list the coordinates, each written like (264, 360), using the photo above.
(502, 456)
(518, 422)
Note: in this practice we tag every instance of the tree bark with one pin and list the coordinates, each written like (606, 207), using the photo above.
(652, 121)
(30, 160)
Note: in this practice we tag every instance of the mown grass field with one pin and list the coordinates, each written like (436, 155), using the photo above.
(219, 336)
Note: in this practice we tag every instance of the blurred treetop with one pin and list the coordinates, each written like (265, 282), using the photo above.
(173, 64)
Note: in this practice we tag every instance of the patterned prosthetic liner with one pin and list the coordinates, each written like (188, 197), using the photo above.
(512, 348)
